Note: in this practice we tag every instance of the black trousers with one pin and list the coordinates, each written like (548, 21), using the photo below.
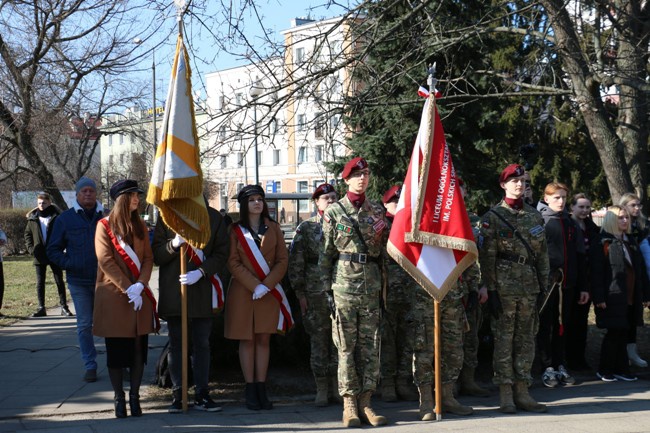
(40, 283)
(613, 353)
(576, 333)
(551, 334)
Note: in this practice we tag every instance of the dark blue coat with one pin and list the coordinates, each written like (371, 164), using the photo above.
(71, 245)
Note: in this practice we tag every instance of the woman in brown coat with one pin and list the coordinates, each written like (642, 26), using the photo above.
(251, 311)
(124, 310)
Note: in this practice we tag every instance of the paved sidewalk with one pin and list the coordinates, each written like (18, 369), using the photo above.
(41, 391)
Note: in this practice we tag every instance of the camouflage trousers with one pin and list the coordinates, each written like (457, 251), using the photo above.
(355, 332)
(396, 341)
(471, 340)
(421, 324)
(514, 339)
(452, 334)
(318, 324)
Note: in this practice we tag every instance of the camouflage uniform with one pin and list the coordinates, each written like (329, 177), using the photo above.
(420, 321)
(507, 268)
(356, 287)
(304, 275)
(475, 316)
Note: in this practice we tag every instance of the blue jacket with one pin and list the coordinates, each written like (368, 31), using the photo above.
(71, 245)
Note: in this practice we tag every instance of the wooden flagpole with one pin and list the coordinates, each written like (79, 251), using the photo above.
(436, 362)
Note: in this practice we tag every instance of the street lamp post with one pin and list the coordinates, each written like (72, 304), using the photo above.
(255, 92)
(139, 41)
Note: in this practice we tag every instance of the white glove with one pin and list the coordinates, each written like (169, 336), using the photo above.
(191, 277)
(178, 241)
(135, 290)
(260, 291)
(137, 302)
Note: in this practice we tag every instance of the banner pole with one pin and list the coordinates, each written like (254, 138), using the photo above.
(436, 342)
(184, 329)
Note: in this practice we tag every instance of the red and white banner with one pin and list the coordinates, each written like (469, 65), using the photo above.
(431, 236)
(285, 321)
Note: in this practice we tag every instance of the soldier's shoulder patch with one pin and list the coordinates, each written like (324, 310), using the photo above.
(343, 228)
(536, 231)
(379, 226)
(327, 218)
(485, 224)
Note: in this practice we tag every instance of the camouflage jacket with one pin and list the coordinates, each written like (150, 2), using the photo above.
(304, 272)
(505, 262)
(340, 237)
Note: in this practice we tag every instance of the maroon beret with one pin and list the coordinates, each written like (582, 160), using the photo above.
(393, 192)
(357, 163)
(324, 188)
(513, 170)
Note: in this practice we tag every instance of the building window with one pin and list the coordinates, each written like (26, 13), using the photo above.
(335, 120)
(276, 156)
(278, 186)
(319, 129)
(222, 161)
(259, 157)
(110, 159)
(273, 126)
(318, 153)
(222, 132)
(300, 55)
(302, 120)
(304, 204)
(302, 154)
(121, 159)
(240, 159)
(238, 98)
(222, 102)
(110, 140)
(121, 139)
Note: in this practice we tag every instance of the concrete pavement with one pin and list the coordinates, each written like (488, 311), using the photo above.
(41, 391)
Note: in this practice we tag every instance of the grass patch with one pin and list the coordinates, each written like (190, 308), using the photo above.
(19, 301)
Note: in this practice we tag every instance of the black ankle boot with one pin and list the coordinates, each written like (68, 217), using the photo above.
(120, 405)
(41, 312)
(261, 395)
(134, 404)
(252, 401)
(65, 311)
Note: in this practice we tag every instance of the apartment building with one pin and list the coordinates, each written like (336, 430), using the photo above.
(278, 122)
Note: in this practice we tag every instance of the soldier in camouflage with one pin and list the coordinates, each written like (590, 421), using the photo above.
(396, 331)
(407, 332)
(474, 302)
(514, 271)
(351, 257)
(304, 275)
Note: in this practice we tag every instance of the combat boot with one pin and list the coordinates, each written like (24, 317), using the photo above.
(350, 414)
(506, 404)
(426, 403)
(388, 389)
(366, 414)
(524, 401)
(468, 386)
(406, 389)
(321, 399)
(450, 404)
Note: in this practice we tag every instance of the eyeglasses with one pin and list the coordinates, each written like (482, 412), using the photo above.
(359, 173)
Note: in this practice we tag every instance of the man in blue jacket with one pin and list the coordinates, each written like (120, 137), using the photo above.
(72, 248)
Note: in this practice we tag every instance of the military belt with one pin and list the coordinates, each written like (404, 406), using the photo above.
(522, 260)
(358, 258)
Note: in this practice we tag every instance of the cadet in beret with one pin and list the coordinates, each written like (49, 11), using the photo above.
(304, 275)
(355, 231)
(514, 271)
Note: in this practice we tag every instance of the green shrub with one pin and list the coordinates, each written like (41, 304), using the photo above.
(13, 223)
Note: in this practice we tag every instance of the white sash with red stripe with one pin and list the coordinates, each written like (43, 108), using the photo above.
(197, 257)
(132, 261)
(262, 269)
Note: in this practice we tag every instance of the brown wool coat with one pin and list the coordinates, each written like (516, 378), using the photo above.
(114, 315)
(244, 317)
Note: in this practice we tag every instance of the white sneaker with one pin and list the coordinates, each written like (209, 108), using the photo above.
(549, 378)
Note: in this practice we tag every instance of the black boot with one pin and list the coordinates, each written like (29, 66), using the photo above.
(41, 312)
(261, 395)
(252, 401)
(120, 405)
(134, 404)
(65, 311)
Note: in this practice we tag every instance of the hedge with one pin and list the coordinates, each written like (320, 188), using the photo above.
(13, 223)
